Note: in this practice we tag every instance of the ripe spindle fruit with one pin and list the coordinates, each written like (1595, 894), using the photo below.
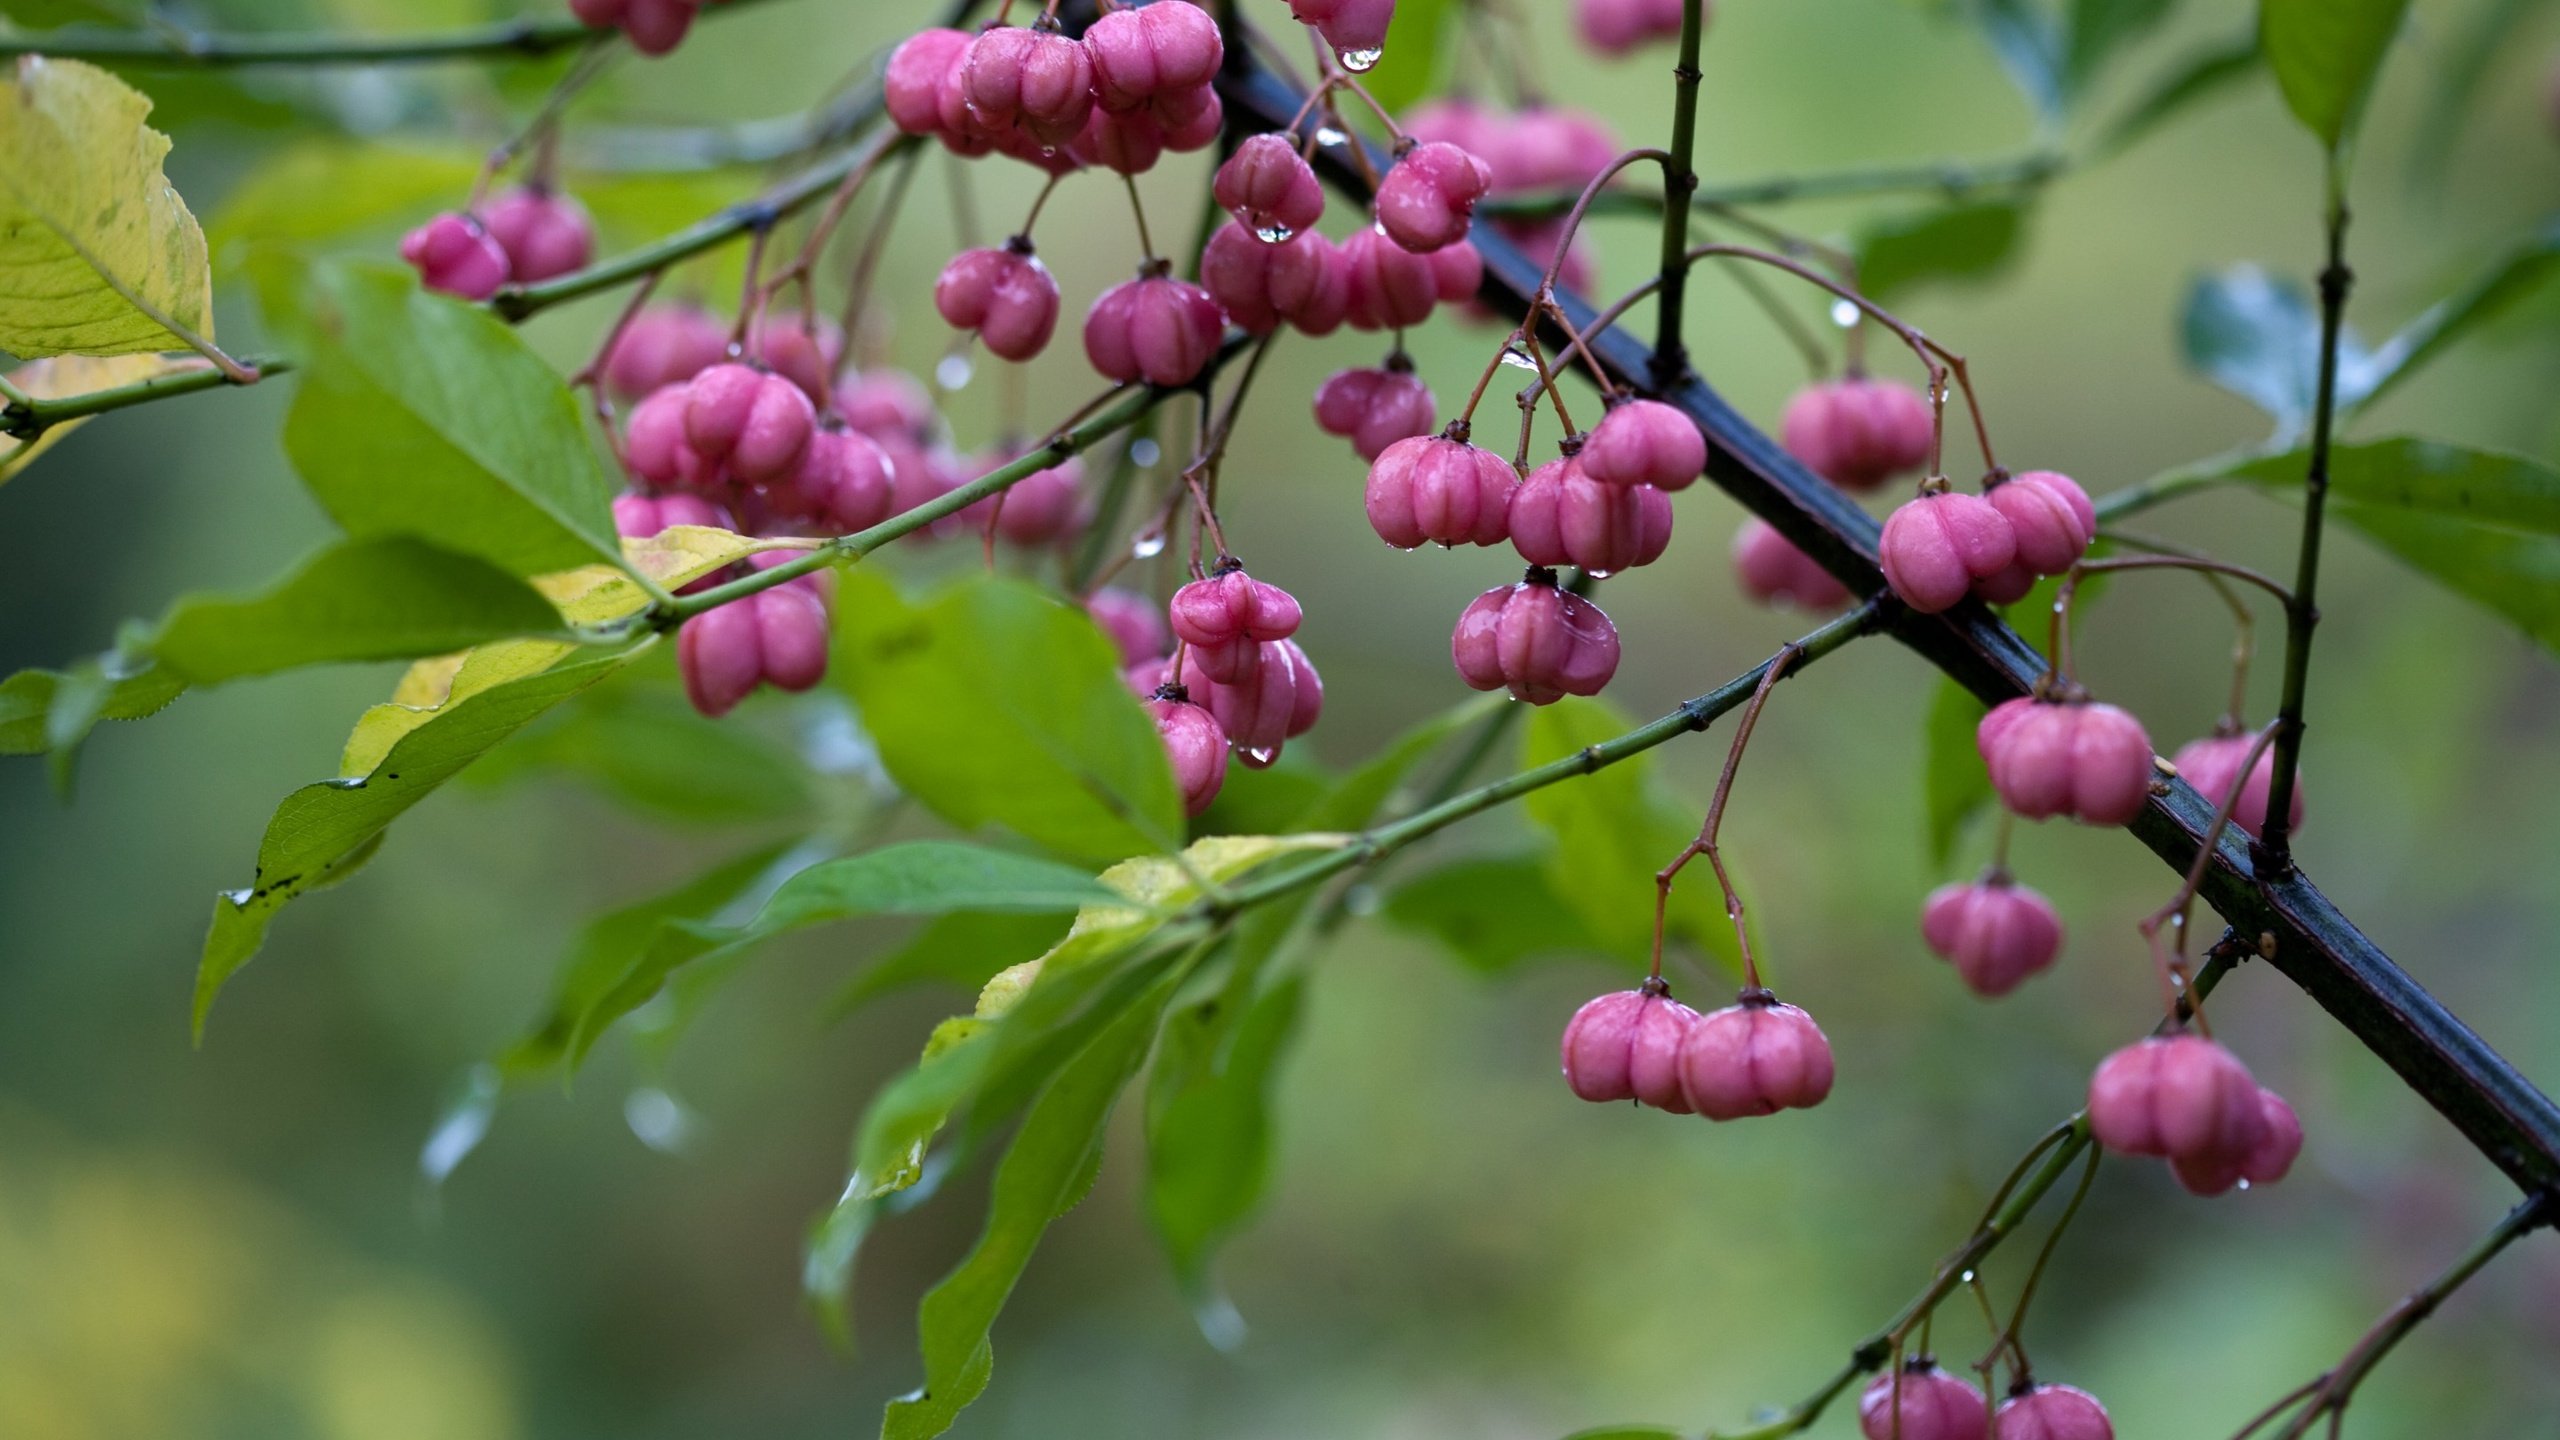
(2079, 758)
(1626, 1046)
(1193, 743)
(1302, 280)
(1356, 29)
(1561, 516)
(1005, 294)
(1270, 189)
(456, 255)
(1030, 77)
(751, 423)
(1774, 572)
(1935, 548)
(1756, 1056)
(1858, 433)
(654, 27)
(663, 345)
(2184, 1099)
(2053, 1412)
(1615, 27)
(1155, 328)
(1228, 616)
(1537, 640)
(2212, 765)
(1919, 1401)
(1995, 931)
(1134, 623)
(1279, 698)
(1427, 199)
(1143, 54)
(776, 636)
(544, 233)
(1645, 442)
(844, 483)
(1441, 489)
(1374, 409)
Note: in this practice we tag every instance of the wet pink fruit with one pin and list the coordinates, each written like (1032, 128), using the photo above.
(1626, 1046)
(1269, 188)
(1756, 1057)
(456, 255)
(1937, 546)
(2053, 1412)
(1006, 295)
(1142, 53)
(1028, 77)
(654, 27)
(1535, 639)
(2182, 1098)
(1227, 618)
(654, 447)
(1195, 745)
(2089, 761)
(1277, 700)
(912, 87)
(1922, 1402)
(1433, 489)
(753, 424)
(2264, 1163)
(641, 516)
(664, 345)
(1392, 288)
(885, 402)
(1551, 147)
(1614, 27)
(776, 636)
(2212, 765)
(844, 482)
(1859, 433)
(1645, 442)
(1996, 932)
(544, 233)
(1134, 623)
(1156, 328)
(1460, 122)
(1427, 199)
(1302, 281)
(1356, 29)
(1045, 506)
(1561, 516)
(1127, 141)
(2051, 517)
(1773, 571)
(803, 349)
(1374, 409)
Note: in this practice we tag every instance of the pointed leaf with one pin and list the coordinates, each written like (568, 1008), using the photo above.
(2258, 337)
(2525, 268)
(1965, 243)
(964, 950)
(27, 700)
(1209, 1117)
(2325, 54)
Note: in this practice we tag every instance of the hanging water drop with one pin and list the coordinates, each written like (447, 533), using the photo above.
(953, 371)
(1518, 359)
(1258, 757)
(1360, 62)
(1598, 574)
(1274, 234)
(1843, 314)
(1149, 546)
(1144, 452)
(1328, 136)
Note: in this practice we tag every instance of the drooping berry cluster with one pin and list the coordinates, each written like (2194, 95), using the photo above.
(529, 234)
(1753, 1057)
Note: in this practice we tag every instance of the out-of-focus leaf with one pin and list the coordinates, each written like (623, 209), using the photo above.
(322, 832)
(2205, 73)
(63, 376)
(1963, 243)
(2462, 74)
(1954, 785)
(1491, 913)
(1411, 61)
(391, 598)
(657, 754)
(2030, 46)
(2258, 337)
(1209, 1117)
(28, 698)
(1612, 830)
(1360, 797)
(488, 445)
(2483, 524)
(995, 703)
(963, 950)
(2325, 54)
(2099, 29)
(2523, 269)
(1264, 802)
(98, 255)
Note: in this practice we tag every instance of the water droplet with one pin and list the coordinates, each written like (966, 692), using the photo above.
(346, 782)
(953, 372)
(1149, 546)
(1144, 452)
(1328, 136)
(1360, 62)
(1363, 900)
(1258, 757)
(240, 897)
(1966, 1277)
(1598, 574)
(1843, 314)
(1517, 358)
(658, 1118)
(1274, 234)
(2243, 1185)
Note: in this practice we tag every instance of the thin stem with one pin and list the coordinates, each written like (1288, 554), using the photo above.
(1146, 244)
(2244, 623)
(543, 128)
(2012, 1334)
(1817, 360)
(26, 416)
(866, 262)
(2174, 915)
(2058, 638)
(1705, 844)
(1680, 186)
(1582, 204)
(1953, 178)
(171, 48)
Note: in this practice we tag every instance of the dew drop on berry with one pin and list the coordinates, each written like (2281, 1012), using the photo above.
(1258, 757)
(1360, 62)
(1328, 136)
(1274, 234)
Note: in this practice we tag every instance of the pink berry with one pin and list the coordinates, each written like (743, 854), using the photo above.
(1457, 272)
(1127, 141)
(1188, 119)
(918, 474)
(1626, 1046)
(654, 447)
(1134, 623)
(2212, 765)
(1226, 618)
(2264, 1163)
(1391, 287)
(1427, 199)
(1140, 53)
(2051, 516)
(1156, 328)
(656, 27)
(1645, 442)
(1006, 295)
(1536, 639)
(544, 233)
(1460, 122)
(911, 88)
(1552, 147)
(1996, 932)
(1301, 280)
(777, 635)
(1561, 516)
(1269, 188)
(1431, 488)
(1374, 409)
(663, 345)
(754, 424)
(2053, 1412)
(1922, 1402)
(1356, 29)
(791, 629)
(803, 349)
(1029, 77)
(2089, 761)
(1277, 700)
(1044, 506)
(1195, 745)
(884, 402)
(1860, 433)
(641, 516)
(1614, 27)
(456, 255)
(1756, 1057)
(844, 483)
(1774, 572)
(1937, 546)
(2182, 1098)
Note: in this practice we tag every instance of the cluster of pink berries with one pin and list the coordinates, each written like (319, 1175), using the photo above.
(529, 234)
(653, 27)
(1753, 1057)
(1540, 149)
(1945, 544)
(1134, 87)
(1922, 1402)
(2187, 1100)
(1857, 433)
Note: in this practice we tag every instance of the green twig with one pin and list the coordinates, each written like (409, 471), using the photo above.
(1679, 187)
(1954, 179)
(174, 48)
(27, 416)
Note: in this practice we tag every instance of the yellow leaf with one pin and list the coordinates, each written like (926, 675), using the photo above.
(98, 255)
(63, 376)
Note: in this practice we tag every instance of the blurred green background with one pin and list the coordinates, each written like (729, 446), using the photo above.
(235, 1241)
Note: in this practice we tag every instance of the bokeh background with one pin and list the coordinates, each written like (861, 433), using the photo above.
(236, 1240)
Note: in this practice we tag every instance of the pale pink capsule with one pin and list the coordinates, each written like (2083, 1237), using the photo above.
(1552, 147)
(754, 424)
(1127, 141)
(1429, 196)
(1860, 433)
(1935, 548)
(1228, 616)
(1188, 119)
(846, 482)
(654, 448)
(1535, 639)
(885, 402)
(1391, 287)
(1045, 506)
(1561, 516)
(1301, 280)
(911, 88)
(1194, 744)
(1756, 1057)
(1774, 572)
(641, 516)
(2264, 1163)
(1626, 1046)
(1922, 1402)
(1614, 27)
(544, 233)
(2051, 516)
(2212, 765)
(1033, 78)
(791, 635)
(1156, 328)
(1006, 295)
(1140, 53)
(2179, 1097)
(456, 255)
(1457, 272)
(1277, 700)
(1995, 931)
(803, 349)
(720, 654)
(2053, 1412)
(1269, 188)
(1430, 488)
(663, 345)
(1645, 442)
(2089, 761)
(1374, 409)
(1134, 623)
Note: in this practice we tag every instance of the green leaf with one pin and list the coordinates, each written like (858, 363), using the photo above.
(1209, 1117)
(322, 832)
(656, 753)
(1612, 830)
(2325, 54)
(2463, 65)
(1045, 1172)
(2099, 29)
(2030, 47)
(964, 950)
(392, 598)
(2483, 524)
(996, 703)
(2524, 268)
(1266, 801)
(1954, 785)
(27, 700)
(420, 415)
(98, 255)
(1962, 243)
(1491, 913)
(1411, 61)
(2201, 75)
(2258, 337)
